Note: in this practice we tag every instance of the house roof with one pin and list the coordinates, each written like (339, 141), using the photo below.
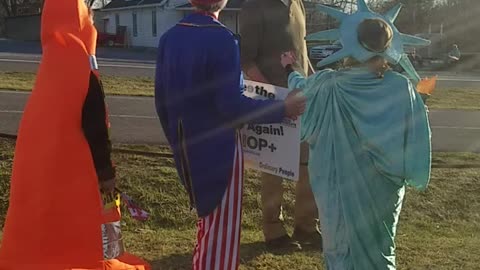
(231, 4)
(131, 3)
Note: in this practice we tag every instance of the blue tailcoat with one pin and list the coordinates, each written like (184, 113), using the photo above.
(198, 97)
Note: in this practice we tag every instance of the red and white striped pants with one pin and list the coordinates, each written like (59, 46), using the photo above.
(218, 234)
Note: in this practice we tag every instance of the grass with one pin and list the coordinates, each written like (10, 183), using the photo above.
(135, 86)
(465, 99)
(438, 228)
(455, 98)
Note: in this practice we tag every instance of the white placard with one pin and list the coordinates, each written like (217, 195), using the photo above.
(271, 148)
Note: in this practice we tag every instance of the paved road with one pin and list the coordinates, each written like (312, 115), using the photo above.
(129, 67)
(134, 121)
(13, 62)
(133, 118)
(34, 48)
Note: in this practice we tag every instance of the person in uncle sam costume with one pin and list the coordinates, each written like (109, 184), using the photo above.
(198, 95)
(62, 157)
(369, 137)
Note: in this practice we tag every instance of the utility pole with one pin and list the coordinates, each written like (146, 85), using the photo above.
(415, 20)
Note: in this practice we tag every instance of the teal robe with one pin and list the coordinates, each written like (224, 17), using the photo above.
(369, 137)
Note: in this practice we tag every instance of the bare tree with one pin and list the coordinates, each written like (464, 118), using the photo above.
(21, 7)
(457, 18)
(460, 21)
(9, 6)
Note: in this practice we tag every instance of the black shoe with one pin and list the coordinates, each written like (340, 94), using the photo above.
(312, 240)
(283, 245)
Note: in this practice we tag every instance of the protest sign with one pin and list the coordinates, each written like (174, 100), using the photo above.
(271, 148)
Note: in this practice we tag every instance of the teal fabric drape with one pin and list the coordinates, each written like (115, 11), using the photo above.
(369, 137)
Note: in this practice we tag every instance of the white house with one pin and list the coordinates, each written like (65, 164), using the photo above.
(147, 20)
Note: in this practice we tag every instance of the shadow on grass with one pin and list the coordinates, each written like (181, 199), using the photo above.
(173, 262)
(248, 252)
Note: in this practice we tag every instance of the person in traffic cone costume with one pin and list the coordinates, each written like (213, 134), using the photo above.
(55, 217)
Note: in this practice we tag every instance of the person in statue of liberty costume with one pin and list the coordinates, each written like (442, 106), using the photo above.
(369, 138)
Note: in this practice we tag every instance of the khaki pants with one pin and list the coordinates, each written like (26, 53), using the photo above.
(306, 213)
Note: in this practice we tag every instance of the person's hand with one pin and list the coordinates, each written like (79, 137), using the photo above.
(288, 58)
(295, 104)
(108, 186)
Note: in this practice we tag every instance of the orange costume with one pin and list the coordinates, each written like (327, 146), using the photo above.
(55, 216)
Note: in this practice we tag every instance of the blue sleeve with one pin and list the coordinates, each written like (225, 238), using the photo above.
(160, 95)
(229, 100)
(417, 143)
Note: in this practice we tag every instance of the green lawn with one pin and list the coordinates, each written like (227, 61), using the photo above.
(455, 98)
(439, 229)
(135, 86)
(467, 99)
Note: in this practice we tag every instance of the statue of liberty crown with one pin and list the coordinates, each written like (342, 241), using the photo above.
(348, 36)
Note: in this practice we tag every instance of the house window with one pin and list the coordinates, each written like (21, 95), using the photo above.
(135, 30)
(154, 23)
(117, 20)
